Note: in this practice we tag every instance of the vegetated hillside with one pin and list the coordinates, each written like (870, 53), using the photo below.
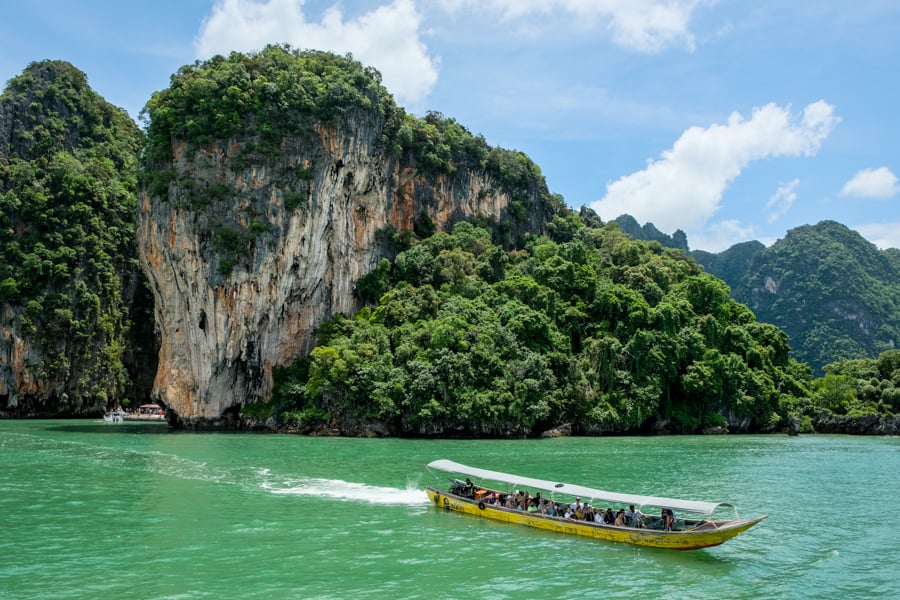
(731, 265)
(70, 287)
(834, 293)
(273, 181)
(587, 331)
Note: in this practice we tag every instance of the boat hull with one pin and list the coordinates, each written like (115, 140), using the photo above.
(711, 534)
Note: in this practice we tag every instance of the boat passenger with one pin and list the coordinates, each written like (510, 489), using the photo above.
(588, 512)
(533, 506)
(609, 517)
(598, 517)
(634, 517)
(470, 488)
(570, 514)
(620, 518)
(667, 519)
(577, 504)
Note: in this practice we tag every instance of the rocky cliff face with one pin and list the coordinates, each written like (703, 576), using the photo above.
(248, 251)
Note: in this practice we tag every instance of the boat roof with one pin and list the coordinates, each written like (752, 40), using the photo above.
(691, 506)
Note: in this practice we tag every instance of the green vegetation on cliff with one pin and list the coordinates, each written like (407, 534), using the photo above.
(589, 328)
(275, 93)
(730, 265)
(281, 92)
(261, 101)
(68, 177)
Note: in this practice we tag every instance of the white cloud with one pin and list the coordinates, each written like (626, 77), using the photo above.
(386, 38)
(872, 183)
(643, 25)
(782, 200)
(684, 188)
(883, 235)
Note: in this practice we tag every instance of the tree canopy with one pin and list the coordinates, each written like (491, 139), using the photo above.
(68, 177)
(590, 328)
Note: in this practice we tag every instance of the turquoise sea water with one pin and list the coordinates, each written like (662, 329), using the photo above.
(93, 510)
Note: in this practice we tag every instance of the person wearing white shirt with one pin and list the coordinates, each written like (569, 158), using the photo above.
(634, 517)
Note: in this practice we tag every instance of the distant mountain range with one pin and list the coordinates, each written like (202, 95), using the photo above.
(834, 293)
(649, 232)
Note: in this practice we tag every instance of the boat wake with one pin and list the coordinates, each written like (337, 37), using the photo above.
(137, 463)
(348, 490)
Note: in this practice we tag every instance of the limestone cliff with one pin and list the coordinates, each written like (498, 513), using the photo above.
(69, 282)
(254, 230)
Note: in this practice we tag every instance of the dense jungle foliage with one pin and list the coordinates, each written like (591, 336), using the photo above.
(68, 178)
(731, 265)
(834, 293)
(586, 327)
(860, 386)
(272, 94)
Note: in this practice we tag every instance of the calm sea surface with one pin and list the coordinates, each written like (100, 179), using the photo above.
(94, 510)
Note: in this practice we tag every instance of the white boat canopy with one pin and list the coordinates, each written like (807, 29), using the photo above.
(691, 506)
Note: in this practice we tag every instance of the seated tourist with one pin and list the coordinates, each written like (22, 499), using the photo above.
(668, 519)
(634, 517)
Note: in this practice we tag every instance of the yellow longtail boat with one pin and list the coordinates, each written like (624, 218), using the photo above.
(681, 524)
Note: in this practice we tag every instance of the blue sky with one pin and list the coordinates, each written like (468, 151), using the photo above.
(731, 120)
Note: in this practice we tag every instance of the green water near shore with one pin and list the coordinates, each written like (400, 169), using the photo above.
(92, 510)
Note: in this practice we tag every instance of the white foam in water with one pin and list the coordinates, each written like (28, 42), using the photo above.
(347, 490)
